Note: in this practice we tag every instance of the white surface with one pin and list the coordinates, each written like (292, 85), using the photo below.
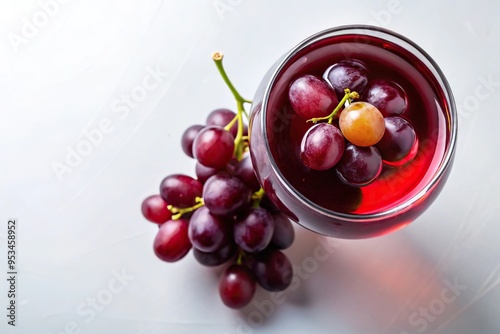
(78, 232)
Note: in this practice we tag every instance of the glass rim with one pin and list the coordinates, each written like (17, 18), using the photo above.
(365, 30)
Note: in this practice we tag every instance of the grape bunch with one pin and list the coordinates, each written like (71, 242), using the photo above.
(223, 214)
(357, 138)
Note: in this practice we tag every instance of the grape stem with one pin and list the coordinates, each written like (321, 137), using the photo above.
(230, 124)
(348, 97)
(241, 255)
(240, 101)
(178, 212)
(257, 197)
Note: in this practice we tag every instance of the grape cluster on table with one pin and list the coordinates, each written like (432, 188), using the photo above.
(222, 214)
(356, 139)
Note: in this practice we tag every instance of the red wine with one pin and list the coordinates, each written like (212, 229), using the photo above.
(425, 112)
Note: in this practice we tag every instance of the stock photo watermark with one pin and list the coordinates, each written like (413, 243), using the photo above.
(88, 309)
(425, 315)
(383, 17)
(485, 88)
(11, 271)
(31, 25)
(264, 309)
(121, 107)
(222, 7)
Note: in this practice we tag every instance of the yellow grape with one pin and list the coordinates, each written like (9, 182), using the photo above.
(362, 124)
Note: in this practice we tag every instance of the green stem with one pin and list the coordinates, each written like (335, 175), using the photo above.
(178, 212)
(217, 58)
(230, 124)
(238, 149)
(240, 101)
(241, 255)
(349, 96)
(257, 197)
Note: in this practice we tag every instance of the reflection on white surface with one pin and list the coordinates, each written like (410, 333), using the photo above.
(85, 253)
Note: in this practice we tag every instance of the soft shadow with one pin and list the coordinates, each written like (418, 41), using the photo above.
(390, 284)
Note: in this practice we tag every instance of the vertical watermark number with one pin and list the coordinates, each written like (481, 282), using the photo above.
(11, 272)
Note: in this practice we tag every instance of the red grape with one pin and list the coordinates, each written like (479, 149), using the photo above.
(172, 242)
(225, 194)
(273, 270)
(218, 257)
(223, 117)
(213, 146)
(399, 143)
(386, 96)
(284, 233)
(180, 190)
(203, 173)
(360, 165)
(350, 74)
(231, 166)
(188, 138)
(245, 172)
(154, 209)
(207, 232)
(312, 97)
(322, 146)
(236, 286)
(254, 231)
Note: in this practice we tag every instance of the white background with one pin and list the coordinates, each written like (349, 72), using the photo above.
(80, 229)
